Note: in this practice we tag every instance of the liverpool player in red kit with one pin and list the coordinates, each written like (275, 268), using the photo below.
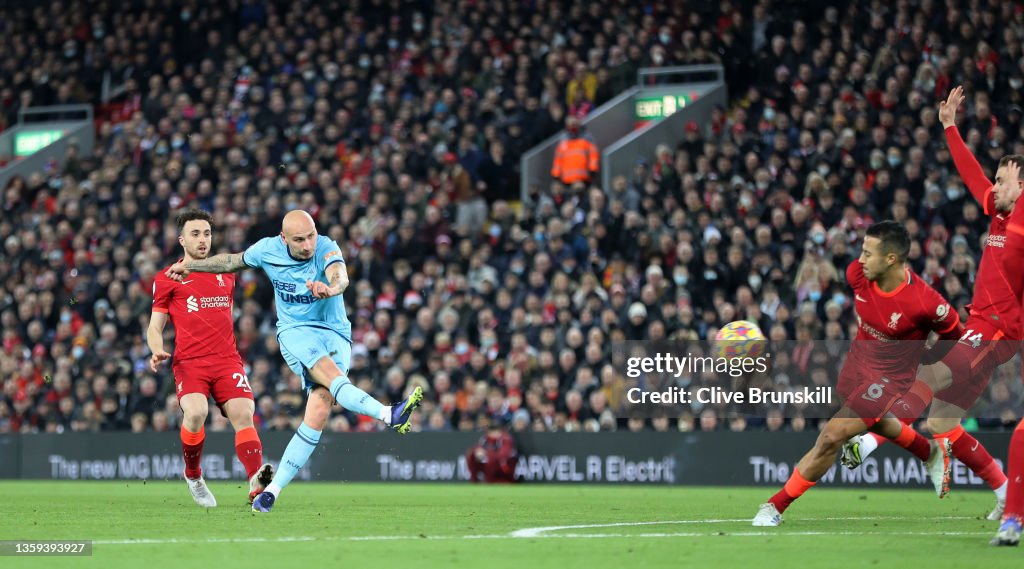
(993, 329)
(206, 361)
(896, 311)
(1013, 517)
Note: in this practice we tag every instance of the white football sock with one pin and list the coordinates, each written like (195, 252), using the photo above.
(868, 444)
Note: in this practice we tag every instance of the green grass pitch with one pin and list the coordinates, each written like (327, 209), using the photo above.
(354, 526)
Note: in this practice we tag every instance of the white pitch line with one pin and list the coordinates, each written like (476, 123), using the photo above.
(540, 531)
(543, 533)
(781, 533)
(537, 532)
(758, 534)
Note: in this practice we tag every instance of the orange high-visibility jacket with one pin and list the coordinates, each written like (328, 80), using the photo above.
(575, 160)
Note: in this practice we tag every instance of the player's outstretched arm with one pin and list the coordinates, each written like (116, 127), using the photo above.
(947, 108)
(337, 276)
(223, 263)
(966, 164)
(155, 339)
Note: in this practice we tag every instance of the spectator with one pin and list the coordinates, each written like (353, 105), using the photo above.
(577, 160)
(494, 457)
(410, 151)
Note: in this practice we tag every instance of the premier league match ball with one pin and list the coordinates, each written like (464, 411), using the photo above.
(740, 339)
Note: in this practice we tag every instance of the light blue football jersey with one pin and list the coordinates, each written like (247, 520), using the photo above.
(296, 306)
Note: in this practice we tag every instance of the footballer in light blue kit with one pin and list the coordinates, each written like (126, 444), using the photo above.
(308, 328)
(313, 330)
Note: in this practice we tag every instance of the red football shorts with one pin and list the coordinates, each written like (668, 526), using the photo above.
(223, 379)
(972, 360)
(869, 393)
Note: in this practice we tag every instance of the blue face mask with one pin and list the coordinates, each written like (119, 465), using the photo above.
(819, 238)
(839, 298)
(815, 295)
(681, 280)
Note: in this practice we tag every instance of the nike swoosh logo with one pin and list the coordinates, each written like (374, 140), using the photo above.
(857, 296)
(975, 447)
(185, 282)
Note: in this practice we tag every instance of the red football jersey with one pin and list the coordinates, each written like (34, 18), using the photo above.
(200, 310)
(899, 321)
(993, 298)
(1013, 266)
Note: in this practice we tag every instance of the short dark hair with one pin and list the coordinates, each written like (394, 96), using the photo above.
(1019, 159)
(193, 215)
(894, 237)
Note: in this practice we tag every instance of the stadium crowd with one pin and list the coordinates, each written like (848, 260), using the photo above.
(393, 123)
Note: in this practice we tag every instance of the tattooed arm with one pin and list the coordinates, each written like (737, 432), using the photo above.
(223, 263)
(338, 277)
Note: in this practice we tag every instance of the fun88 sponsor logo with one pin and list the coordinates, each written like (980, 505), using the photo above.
(286, 292)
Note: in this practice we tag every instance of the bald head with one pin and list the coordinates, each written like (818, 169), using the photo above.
(299, 232)
(297, 221)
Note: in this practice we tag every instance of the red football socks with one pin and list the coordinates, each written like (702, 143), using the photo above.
(909, 408)
(192, 447)
(1015, 472)
(970, 452)
(249, 450)
(794, 488)
(914, 442)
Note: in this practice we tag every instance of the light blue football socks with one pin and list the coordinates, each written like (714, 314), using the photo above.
(354, 399)
(296, 454)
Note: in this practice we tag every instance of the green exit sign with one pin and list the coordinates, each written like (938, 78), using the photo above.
(657, 108)
(30, 142)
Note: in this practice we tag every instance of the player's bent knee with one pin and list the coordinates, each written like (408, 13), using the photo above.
(318, 409)
(936, 376)
(830, 440)
(240, 412)
(195, 413)
(317, 421)
(326, 368)
(943, 425)
(240, 420)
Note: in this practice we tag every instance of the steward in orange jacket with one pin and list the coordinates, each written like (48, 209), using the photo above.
(576, 158)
